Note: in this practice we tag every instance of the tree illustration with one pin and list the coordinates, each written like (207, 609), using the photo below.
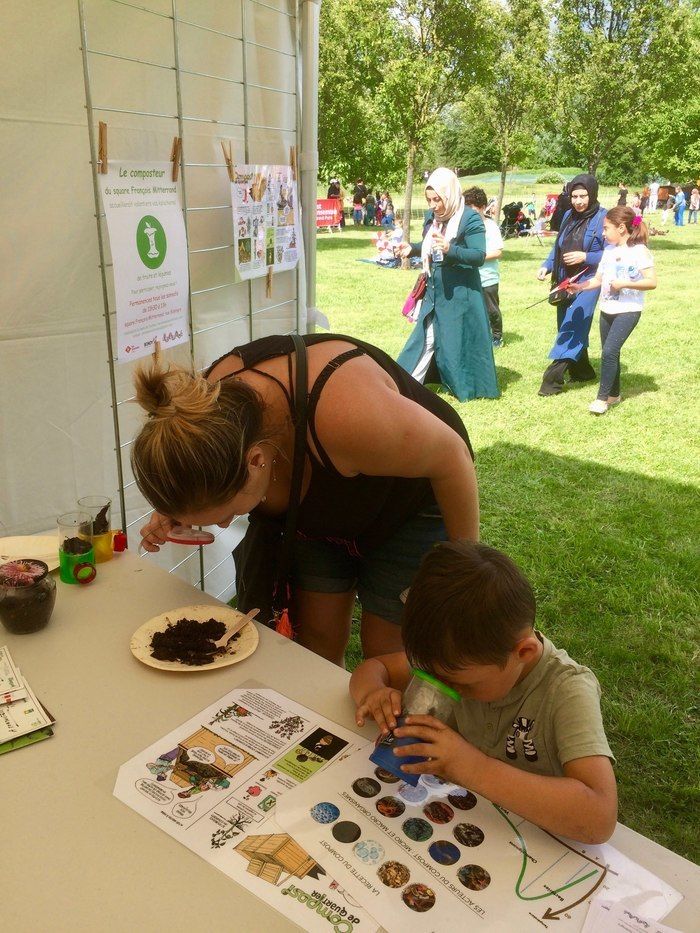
(235, 827)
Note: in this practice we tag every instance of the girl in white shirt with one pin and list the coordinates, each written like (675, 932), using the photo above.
(625, 272)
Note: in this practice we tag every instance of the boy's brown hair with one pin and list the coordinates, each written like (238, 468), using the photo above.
(469, 604)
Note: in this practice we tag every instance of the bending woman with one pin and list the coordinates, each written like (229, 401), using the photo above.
(452, 336)
(578, 248)
(388, 473)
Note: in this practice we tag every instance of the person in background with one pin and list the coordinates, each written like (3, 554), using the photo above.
(489, 273)
(370, 209)
(335, 194)
(669, 205)
(451, 341)
(637, 203)
(378, 208)
(359, 193)
(653, 195)
(622, 194)
(644, 204)
(563, 204)
(679, 206)
(694, 206)
(387, 206)
(529, 733)
(625, 272)
(577, 251)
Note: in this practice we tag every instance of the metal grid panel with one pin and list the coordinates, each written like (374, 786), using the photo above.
(220, 70)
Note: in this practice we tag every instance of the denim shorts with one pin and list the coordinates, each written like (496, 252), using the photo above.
(380, 576)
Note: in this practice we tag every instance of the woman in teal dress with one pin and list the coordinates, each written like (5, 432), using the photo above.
(451, 342)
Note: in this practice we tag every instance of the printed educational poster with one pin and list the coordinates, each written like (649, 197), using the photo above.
(214, 784)
(143, 209)
(438, 858)
(266, 223)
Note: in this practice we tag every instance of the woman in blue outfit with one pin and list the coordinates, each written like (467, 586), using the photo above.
(578, 249)
(451, 342)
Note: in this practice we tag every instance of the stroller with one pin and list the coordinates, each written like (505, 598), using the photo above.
(515, 222)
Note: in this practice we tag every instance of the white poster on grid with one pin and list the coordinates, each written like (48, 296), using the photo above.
(143, 210)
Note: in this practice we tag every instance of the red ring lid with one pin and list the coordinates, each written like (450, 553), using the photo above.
(84, 573)
(183, 534)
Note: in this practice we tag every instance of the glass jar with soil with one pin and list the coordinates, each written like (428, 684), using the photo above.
(76, 554)
(27, 596)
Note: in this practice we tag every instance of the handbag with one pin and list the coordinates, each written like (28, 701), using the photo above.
(263, 558)
(411, 306)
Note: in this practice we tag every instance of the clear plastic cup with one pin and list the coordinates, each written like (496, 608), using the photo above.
(425, 695)
(76, 554)
(100, 508)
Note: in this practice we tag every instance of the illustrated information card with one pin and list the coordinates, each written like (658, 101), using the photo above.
(214, 785)
(266, 223)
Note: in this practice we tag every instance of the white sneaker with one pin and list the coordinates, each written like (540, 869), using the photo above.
(598, 407)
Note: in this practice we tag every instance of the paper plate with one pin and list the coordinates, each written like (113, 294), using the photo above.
(242, 648)
(38, 547)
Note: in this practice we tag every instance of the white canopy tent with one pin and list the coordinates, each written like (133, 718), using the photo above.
(243, 71)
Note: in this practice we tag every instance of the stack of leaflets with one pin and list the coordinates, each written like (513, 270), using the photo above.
(23, 720)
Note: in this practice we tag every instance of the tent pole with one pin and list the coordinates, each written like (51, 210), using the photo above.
(308, 158)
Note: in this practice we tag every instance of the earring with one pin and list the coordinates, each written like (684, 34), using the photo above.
(262, 464)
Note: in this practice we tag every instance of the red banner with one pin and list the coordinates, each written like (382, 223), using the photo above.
(328, 212)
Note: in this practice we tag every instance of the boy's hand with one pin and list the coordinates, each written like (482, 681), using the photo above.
(383, 705)
(618, 284)
(450, 756)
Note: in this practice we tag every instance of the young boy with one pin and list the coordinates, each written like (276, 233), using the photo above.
(489, 271)
(530, 735)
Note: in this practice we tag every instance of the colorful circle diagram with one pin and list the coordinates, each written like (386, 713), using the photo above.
(419, 897)
(393, 874)
(325, 812)
(369, 851)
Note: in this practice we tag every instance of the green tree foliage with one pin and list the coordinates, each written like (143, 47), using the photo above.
(614, 60)
(358, 133)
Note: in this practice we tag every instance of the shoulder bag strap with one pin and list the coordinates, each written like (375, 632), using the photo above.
(300, 404)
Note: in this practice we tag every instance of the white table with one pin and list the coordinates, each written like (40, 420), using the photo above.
(76, 859)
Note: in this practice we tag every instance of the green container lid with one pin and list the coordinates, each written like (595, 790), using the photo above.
(438, 684)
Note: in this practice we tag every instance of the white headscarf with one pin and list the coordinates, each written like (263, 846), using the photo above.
(446, 184)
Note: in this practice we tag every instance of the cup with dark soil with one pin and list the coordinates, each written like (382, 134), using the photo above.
(76, 554)
(100, 508)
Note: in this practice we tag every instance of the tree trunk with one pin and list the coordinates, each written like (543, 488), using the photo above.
(501, 190)
(408, 197)
(593, 163)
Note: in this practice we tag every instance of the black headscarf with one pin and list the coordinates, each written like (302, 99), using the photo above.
(572, 232)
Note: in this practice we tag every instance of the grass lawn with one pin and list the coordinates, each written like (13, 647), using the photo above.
(601, 513)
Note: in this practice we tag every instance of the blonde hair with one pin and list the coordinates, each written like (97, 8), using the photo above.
(191, 452)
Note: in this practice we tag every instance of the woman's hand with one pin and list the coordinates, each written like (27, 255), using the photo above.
(156, 532)
(574, 258)
(403, 250)
(542, 274)
(383, 705)
(440, 242)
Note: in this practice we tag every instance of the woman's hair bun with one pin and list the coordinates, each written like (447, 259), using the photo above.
(167, 390)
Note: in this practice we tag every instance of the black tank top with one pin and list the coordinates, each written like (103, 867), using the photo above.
(359, 512)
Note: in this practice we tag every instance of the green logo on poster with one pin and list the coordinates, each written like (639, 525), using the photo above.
(151, 241)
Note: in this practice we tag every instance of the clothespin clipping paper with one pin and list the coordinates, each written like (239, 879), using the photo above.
(293, 161)
(175, 156)
(102, 149)
(228, 158)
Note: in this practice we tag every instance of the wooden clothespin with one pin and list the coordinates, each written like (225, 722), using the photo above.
(102, 149)
(293, 161)
(175, 156)
(228, 158)
(268, 283)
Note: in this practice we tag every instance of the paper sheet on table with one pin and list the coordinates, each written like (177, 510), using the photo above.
(608, 917)
(22, 717)
(440, 858)
(10, 679)
(214, 783)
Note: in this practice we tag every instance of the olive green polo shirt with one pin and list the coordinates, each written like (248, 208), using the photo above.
(551, 717)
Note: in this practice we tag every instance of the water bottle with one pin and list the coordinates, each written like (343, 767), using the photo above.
(436, 254)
